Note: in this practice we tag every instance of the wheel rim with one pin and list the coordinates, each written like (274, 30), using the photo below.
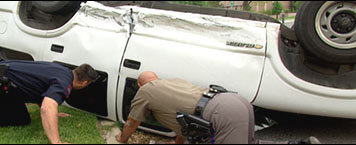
(335, 24)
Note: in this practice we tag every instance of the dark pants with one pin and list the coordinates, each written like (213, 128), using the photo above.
(13, 111)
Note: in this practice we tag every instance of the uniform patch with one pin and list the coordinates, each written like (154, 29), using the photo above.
(69, 90)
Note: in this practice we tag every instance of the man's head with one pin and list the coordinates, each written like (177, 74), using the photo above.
(83, 76)
(146, 77)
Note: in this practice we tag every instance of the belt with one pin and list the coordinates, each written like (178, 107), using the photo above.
(5, 82)
(199, 109)
(197, 129)
(206, 97)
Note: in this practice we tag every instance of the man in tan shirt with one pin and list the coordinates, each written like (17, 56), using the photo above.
(232, 115)
(163, 98)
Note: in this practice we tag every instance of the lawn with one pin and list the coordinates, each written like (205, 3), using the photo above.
(79, 128)
(287, 18)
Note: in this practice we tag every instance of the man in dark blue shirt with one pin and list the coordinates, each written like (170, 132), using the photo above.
(44, 83)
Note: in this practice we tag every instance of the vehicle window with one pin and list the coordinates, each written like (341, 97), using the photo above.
(130, 91)
(14, 55)
(92, 98)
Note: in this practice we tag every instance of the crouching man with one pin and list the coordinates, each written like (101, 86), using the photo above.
(231, 115)
(44, 83)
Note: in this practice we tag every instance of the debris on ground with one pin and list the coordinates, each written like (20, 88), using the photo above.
(109, 129)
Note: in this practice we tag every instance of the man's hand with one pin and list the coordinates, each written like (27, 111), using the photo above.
(171, 142)
(179, 140)
(63, 115)
(49, 113)
(118, 137)
(129, 128)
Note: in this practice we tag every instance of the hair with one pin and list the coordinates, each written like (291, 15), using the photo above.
(85, 72)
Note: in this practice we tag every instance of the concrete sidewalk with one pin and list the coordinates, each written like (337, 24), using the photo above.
(108, 131)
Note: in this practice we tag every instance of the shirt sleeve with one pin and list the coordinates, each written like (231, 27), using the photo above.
(56, 91)
(139, 106)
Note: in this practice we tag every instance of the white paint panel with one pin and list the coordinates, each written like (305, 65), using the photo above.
(11, 37)
(193, 47)
(202, 66)
(8, 6)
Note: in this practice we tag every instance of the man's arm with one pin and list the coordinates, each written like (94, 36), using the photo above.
(60, 114)
(49, 113)
(128, 129)
(179, 140)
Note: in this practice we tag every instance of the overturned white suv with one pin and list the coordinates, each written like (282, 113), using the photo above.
(309, 70)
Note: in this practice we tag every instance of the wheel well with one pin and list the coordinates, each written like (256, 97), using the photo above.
(35, 18)
(310, 68)
(92, 98)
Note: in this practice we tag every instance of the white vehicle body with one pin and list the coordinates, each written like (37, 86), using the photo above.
(176, 45)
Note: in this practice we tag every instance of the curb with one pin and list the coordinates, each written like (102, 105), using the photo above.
(108, 135)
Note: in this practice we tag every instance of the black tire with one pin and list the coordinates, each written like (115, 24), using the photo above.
(57, 7)
(315, 43)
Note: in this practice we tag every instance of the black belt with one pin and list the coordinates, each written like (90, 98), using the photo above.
(5, 83)
(206, 97)
(194, 127)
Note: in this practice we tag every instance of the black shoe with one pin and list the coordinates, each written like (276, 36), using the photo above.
(309, 140)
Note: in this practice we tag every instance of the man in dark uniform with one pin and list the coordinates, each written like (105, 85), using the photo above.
(231, 115)
(44, 83)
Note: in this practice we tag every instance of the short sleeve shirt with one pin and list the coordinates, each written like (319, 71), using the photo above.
(38, 79)
(163, 98)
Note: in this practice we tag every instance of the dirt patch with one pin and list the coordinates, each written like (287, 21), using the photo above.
(109, 129)
(140, 137)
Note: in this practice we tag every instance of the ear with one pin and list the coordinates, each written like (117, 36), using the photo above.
(84, 82)
(139, 85)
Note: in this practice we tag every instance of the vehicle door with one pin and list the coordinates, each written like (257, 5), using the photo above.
(96, 35)
(198, 48)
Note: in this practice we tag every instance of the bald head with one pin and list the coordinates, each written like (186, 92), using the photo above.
(146, 77)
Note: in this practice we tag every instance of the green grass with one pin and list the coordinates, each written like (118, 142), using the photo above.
(80, 128)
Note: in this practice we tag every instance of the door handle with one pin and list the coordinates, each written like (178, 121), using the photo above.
(132, 64)
(57, 48)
